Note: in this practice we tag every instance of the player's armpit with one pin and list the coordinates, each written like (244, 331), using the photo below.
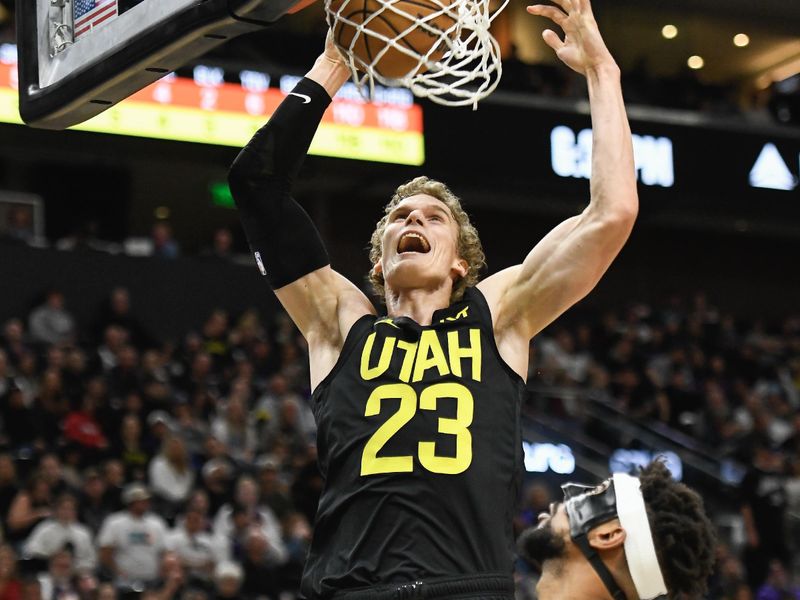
(324, 305)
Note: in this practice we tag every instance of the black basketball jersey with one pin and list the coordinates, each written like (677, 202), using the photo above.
(419, 443)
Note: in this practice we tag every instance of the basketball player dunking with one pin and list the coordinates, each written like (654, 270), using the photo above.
(418, 410)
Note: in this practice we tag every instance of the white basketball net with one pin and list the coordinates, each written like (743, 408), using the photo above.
(463, 65)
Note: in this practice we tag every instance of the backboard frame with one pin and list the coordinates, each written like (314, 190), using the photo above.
(73, 95)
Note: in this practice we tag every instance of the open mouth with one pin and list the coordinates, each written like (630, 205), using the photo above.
(413, 242)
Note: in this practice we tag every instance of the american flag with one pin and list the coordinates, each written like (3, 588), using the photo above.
(90, 13)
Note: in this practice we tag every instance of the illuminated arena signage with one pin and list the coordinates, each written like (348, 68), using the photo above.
(540, 458)
(206, 109)
(571, 156)
(770, 171)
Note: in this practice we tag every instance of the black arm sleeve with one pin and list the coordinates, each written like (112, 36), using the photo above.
(285, 242)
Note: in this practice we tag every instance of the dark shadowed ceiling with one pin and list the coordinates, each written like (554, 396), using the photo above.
(632, 29)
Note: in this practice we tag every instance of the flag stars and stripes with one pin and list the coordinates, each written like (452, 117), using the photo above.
(91, 13)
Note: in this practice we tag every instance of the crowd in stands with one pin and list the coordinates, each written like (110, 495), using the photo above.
(730, 383)
(131, 467)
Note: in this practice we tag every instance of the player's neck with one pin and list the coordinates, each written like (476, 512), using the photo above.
(563, 582)
(417, 304)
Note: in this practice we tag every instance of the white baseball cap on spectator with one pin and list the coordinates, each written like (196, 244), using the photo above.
(216, 464)
(159, 416)
(228, 570)
(267, 461)
(135, 492)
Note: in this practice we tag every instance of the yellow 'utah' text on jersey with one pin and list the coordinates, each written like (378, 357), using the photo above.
(419, 445)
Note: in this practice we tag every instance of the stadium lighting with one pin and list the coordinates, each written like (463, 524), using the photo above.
(669, 31)
(696, 62)
(741, 40)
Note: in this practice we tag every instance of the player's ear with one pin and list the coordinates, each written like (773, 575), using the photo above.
(607, 536)
(460, 268)
(377, 268)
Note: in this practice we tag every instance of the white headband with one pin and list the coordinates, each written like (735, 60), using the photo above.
(639, 548)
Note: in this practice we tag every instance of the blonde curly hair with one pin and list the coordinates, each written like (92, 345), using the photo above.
(469, 244)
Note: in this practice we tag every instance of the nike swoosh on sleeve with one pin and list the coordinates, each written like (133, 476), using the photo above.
(303, 97)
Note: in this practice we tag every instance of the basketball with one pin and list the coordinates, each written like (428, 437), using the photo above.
(396, 20)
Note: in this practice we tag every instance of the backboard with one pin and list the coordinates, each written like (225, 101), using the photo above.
(79, 57)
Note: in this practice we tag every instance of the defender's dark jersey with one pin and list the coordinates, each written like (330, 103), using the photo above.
(419, 444)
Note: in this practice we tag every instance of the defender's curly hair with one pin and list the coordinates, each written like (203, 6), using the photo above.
(683, 535)
(469, 244)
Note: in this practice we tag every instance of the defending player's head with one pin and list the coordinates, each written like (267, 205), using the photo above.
(425, 239)
(639, 537)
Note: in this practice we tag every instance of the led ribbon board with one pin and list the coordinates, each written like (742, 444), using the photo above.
(228, 114)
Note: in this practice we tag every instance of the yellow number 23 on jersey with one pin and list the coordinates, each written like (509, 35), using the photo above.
(372, 464)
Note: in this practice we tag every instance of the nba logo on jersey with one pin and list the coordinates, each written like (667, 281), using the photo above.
(91, 13)
(260, 264)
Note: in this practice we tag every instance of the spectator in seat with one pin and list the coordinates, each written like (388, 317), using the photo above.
(258, 515)
(297, 536)
(172, 579)
(117, 311)
(171, 475)
(217, 475)
(21, 428)
(51, 535)
(51, 323)
(52, 470)
(194, 545)
(235, 429)
(261, 578)
(94, 506)
(26, 377)
(189, 425)
(778, 585)
(164, 245)
(221, 247)
(228, 578)
(129, 448)
(114, 479)
(273, 491)
(763, 509)
(82, 428)
(132, 541)
(159, 428)
(114, 338)
(29, 507)
(58, 582)
(14, 342)
(124, 377)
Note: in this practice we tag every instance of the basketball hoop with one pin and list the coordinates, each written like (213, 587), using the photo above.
(459, 65)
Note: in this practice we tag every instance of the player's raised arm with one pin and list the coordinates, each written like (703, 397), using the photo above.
(568, 262)
(287, 246)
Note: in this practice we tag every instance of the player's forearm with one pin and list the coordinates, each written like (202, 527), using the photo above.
(331, 74)
(613, 182)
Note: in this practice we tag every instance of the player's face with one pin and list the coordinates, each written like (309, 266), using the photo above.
(420, 245)
(551, 545)
(550, 538)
